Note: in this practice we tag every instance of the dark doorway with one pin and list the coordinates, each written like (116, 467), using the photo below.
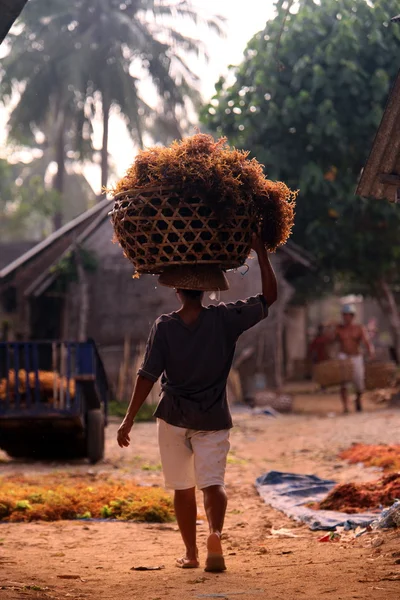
(46, 317)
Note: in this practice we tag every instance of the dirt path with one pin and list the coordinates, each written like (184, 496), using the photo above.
(94, 560)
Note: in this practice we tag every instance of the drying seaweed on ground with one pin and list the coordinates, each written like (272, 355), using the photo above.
(222, 177)
(360, 497)
(61, 496)
(384, 456)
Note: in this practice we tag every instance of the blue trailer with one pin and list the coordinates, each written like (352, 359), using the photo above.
(53, 400)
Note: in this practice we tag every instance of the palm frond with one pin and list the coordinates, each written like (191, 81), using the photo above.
(186, 10)
(185, 43)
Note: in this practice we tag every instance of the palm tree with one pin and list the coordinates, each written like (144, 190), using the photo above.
(50, 108)
(83, 52)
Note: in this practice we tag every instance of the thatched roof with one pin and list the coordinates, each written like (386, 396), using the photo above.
(381, 175)
(33, 271)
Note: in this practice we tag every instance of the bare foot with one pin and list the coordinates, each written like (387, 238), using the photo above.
(215, 560)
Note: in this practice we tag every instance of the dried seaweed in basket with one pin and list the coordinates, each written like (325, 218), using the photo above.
(221, 176)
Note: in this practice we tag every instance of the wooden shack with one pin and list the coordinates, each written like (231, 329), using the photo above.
(380, 178)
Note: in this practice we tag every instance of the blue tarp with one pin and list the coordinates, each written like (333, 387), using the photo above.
(289, 493)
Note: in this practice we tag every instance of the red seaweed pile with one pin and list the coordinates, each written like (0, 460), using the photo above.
(360, 497)
(385, 456)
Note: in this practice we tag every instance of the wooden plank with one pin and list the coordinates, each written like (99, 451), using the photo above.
(390, 179)
(85, 377)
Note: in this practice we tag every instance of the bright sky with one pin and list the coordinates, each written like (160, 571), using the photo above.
(243, 20)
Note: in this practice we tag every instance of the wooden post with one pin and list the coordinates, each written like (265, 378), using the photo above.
(62, 374)
(285, 292)
(278, 346)
(83, 297)
(124, 368)
(55, 374)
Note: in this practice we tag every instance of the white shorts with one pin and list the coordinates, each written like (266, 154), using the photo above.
(191, 457)
(358, 377)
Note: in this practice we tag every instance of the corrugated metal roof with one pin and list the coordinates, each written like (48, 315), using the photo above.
(381, 175)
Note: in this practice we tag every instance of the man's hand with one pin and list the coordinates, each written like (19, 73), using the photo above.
(257, 244)
(367, 343)
(123, 434)
(142, 389)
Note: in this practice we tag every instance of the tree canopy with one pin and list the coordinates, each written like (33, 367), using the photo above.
(307, 100)
(309, 108)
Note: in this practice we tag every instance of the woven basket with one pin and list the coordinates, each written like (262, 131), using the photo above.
(157, 228)
(282, 403)
(333, 372)
(380, 375)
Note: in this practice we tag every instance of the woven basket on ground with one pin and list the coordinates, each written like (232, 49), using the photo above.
(380, 374)
(332, 372)
(157, 228)
(280, 402)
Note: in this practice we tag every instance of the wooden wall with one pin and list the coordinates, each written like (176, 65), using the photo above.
(123, 307)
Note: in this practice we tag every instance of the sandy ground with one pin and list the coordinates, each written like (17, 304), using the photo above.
(82, 560)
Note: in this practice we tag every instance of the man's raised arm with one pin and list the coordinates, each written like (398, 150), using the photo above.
(268, 278)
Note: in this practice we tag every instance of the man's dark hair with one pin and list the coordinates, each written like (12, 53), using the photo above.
(192, 294)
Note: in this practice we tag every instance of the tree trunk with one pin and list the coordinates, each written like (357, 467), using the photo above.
(104, 146)
(59, 178)
(10, 11)
(388, 304)
(83, 298)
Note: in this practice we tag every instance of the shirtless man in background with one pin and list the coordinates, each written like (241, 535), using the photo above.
(350, 337)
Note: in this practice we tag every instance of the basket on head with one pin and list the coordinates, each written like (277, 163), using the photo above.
(204, 278)
(333, 372)
(159, 228)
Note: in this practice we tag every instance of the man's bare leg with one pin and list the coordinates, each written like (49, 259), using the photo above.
(215, 503)
(358, 402)
(345, 399)
(186, 515)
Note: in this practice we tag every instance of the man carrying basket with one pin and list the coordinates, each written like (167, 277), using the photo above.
(192, 349)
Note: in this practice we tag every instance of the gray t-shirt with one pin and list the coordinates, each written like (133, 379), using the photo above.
(195, 360)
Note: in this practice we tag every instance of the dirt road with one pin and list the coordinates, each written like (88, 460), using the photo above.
(85, 560)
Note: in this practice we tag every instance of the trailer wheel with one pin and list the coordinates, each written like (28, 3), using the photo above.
(95, 435)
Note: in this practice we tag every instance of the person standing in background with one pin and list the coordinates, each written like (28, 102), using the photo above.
(351, 336)
(318, 348)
